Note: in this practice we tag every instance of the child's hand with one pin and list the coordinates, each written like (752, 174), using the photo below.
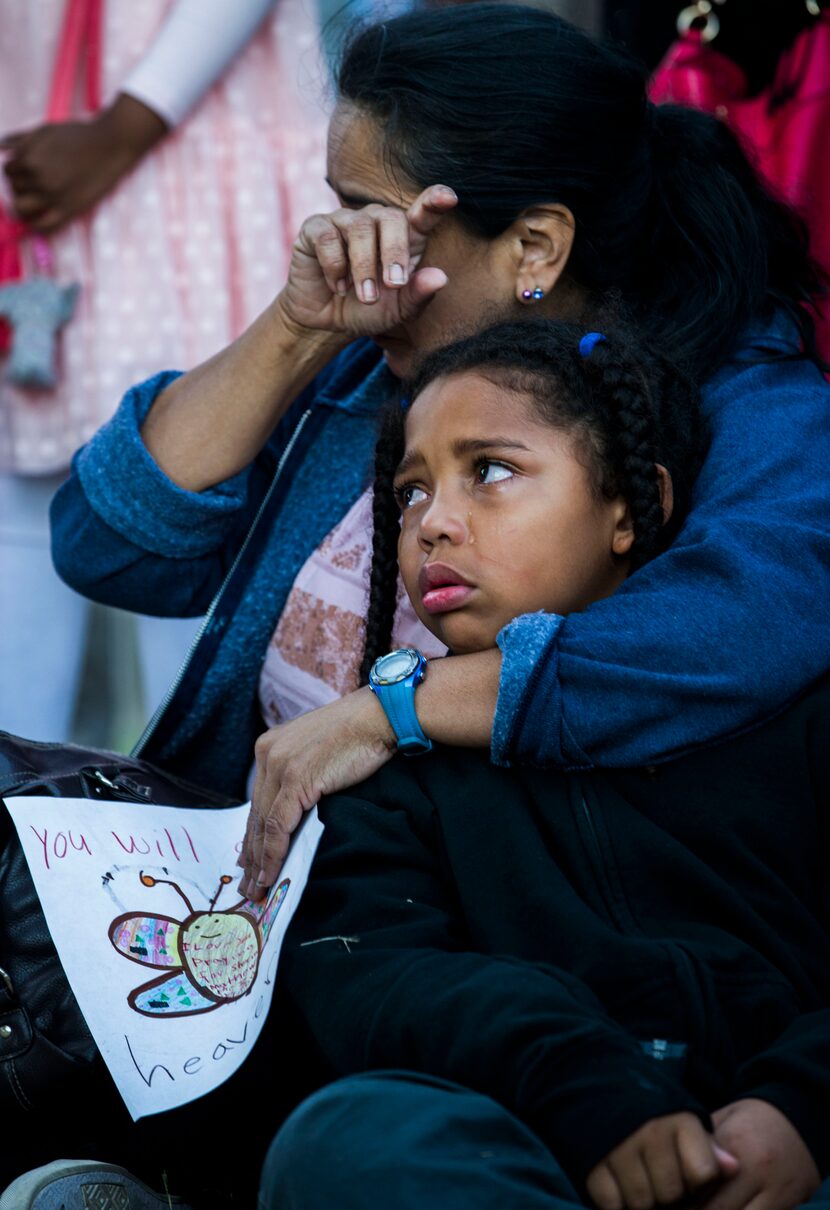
(665, 1159)
(776, 1170)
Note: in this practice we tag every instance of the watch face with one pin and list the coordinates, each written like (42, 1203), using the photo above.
(395, 667)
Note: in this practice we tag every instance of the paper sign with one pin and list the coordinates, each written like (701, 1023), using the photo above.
(173, 971)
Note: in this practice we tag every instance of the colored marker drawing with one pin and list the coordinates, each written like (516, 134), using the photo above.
(209, 958)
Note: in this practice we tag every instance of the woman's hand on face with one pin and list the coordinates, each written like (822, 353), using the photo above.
(326, 750)
(356, 271)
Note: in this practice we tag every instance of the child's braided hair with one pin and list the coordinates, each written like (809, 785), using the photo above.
(630, 406)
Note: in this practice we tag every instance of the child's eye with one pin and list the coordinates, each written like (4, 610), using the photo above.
(493, 472)
(408, 494)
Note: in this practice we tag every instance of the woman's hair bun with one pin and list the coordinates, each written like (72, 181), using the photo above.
(667, 209)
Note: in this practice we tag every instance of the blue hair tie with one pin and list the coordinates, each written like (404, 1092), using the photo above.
(589, 340)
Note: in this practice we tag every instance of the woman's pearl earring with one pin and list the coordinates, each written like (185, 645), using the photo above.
(536, 294)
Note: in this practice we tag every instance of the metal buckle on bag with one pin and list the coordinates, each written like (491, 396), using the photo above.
(6, 981)
(121, 787)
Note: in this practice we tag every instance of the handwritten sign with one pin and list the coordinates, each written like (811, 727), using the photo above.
(173, 971)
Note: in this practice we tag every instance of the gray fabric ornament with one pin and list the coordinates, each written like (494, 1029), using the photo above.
(36, 310)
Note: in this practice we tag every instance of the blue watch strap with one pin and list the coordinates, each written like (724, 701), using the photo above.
(393, 679)
(399, 703)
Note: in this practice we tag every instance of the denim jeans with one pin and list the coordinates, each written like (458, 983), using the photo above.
(403, 1140)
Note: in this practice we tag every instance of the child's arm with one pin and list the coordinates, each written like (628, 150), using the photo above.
(664, 1160)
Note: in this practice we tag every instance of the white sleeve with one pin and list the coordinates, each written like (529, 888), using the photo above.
(197, 41)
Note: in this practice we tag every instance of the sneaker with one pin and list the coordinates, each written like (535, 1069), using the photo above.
(83, 1185)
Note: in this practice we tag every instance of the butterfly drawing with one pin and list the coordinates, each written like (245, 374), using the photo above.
(208, 958)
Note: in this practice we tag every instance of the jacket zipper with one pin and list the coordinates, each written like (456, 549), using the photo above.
(598, 863)
(150, 729)
(624, 922)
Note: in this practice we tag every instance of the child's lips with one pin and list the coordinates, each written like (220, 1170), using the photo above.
(443, 588)
(446, 597)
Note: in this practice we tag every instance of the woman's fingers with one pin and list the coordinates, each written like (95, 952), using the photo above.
(361, 231)
(247, 879)
(327, 244)
(283, 820)
(264, 792)
(278, 804)
(423, 285)
(267, 842)
(395, 252)
(377, 239)
(376, 246)
(426, 213)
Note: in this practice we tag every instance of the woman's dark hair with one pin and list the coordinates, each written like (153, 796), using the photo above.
(513, 107)
(630, 407)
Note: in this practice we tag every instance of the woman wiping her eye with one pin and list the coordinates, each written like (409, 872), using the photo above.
(544, 989)
(474, 186)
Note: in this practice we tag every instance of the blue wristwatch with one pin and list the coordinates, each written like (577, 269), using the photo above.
(393, 679)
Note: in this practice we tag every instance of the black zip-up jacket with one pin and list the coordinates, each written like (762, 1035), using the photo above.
(533, 934)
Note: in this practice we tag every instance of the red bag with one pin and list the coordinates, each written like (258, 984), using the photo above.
(80, 32)
(784, 129)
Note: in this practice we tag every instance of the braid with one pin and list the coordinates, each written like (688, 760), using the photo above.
(631, 427)
(383, 583)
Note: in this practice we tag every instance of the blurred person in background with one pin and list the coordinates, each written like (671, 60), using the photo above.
(763, 69)
(174, 207)
(754, 33)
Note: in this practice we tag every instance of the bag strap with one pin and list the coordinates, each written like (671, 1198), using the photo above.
(81, 33)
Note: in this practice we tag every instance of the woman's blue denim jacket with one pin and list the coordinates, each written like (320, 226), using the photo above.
(708, 639)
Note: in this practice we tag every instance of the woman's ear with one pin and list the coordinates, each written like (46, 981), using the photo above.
(542, 239)
(666, 492)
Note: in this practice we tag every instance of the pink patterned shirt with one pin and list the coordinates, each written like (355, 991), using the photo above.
(316, 650)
